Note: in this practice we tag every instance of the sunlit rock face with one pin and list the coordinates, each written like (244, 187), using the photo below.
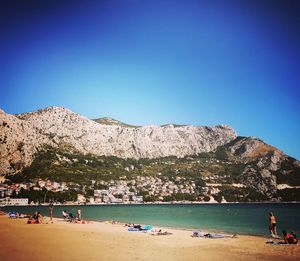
(23, 134)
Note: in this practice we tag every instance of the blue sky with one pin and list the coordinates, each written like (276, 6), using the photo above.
(157, 62)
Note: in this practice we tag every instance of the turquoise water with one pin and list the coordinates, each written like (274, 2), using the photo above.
(233, 218)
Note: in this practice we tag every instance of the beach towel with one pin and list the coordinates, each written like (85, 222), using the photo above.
(12, 214)
(208, 235)
(271, 242)
(133, 229)
(147, 227)
(165, 233)
(211, 235)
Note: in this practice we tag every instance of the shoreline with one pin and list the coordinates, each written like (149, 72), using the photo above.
(109, 212)
(103, 240)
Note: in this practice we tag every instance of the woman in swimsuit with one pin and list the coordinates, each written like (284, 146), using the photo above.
(272, 224)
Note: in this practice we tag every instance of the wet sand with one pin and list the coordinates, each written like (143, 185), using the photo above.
(105, 241)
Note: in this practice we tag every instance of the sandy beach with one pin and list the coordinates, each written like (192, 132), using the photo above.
(105, 241)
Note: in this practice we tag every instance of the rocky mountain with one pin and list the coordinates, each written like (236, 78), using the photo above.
(265, 168)
(58, 144)
(23, 135)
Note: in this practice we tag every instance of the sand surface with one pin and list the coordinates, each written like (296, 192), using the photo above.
(104, 241)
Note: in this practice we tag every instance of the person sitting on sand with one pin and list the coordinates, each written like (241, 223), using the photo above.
(33, 219)
(65, 214)
(35, 216)
(30, 220)
(71, 217)
(39, 218)
(289, 238)
(139, 227)
(272, 225)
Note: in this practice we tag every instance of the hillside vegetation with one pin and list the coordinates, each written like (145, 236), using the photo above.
(219, 174)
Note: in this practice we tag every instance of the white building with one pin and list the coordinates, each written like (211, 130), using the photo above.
(2, 191)
(42, 183)
(55, 185)
(81, 198)
(137, 198)
(15, 201)
(92, 200)
(100, 192)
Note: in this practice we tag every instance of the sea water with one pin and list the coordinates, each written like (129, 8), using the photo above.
(251, 218)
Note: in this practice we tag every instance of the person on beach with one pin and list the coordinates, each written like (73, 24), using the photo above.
(79, 214)
(36, 217)
(39, 218)
(71, 218)
(51, 210)
(289, 238)
(294, 235)
(65, 214)
(272, 225)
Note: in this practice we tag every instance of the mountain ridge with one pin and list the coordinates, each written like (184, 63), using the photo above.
(58, 126)
(34, 145)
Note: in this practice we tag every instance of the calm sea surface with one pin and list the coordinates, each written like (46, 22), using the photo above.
(234, 218)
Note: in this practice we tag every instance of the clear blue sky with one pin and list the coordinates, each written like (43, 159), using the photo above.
(155, 62)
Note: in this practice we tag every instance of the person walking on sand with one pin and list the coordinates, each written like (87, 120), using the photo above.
(272, 225)
(79, 214)
(51, 210)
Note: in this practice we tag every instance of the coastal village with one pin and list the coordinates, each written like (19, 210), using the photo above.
(113, 191)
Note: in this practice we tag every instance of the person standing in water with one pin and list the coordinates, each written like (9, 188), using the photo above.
(272, 225)
(51, 210)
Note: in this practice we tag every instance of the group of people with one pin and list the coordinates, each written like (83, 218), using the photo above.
(289, 238)
(36, 218)
(71, 217)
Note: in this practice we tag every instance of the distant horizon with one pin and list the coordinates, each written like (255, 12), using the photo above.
(142, 62)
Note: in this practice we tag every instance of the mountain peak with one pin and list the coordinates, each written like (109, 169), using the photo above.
(251, 147)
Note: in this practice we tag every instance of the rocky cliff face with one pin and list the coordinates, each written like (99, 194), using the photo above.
(243, 168)
(23, 134)
(266, 169)
(19, 141)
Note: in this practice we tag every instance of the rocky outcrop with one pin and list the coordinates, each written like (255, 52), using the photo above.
(248, 147)
(265, 167)
(19, 141)
(60, 127)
